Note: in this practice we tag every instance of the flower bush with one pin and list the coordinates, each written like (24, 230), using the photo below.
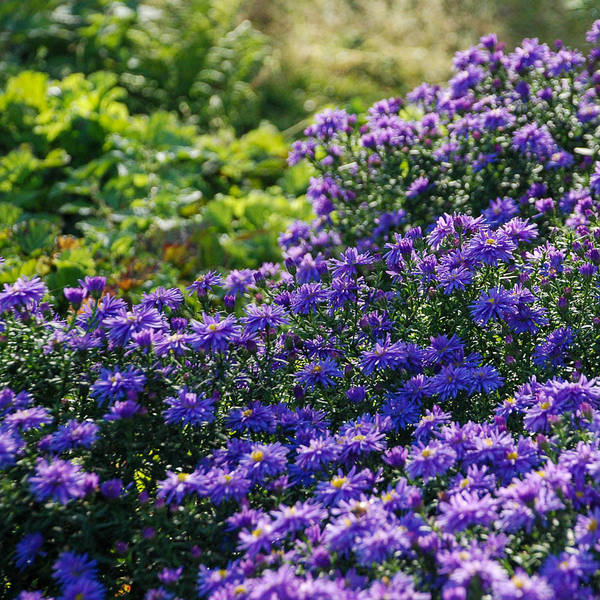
(407, 408)
(512, 133)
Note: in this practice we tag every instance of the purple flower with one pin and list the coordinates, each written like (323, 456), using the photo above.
(263, 317)
(213, 333)
(521, 586)
(289, 519)
(113, 384)
(170, 576)
(587, 528)
(496, 118)
(28, 548)
(227, 485)
(123, 410)
(121, 326)
(74, 433)
(490, 247)
(10, 446)
(432, 419)
(449, 381)
(329, 122)
(264, 460)
(255, 417)
(177, 485)
(301, 149)
(520, 230)
(386, 355)
(451, 279)
(318, 453)
(162, 297)
(84, 588)
(497, 303)
(419, 186)
(444, 349)
(28, 418)
(93, 285)
(322, 191)
(24, 293)
(500, 211)
(553, 350)
(237, 281)
(321, 372)
(37, 595)
(112, 488)
(465, 509)
(307, 298)
(485, 379)
(429, 461)
(60, 480)
(343, 486)
(534, 141)
(593, 35)
(189, 408)
(75, 296)
(204, 283)
(356, 394)
(349, 262)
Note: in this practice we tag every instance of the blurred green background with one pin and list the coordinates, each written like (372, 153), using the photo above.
(147, 140)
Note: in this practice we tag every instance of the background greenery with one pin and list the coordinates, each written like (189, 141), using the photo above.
(147, 139)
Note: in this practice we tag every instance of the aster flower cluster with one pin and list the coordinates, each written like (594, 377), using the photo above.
(511, 133)
(409, 411)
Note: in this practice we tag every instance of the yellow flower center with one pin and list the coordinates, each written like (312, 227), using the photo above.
(338, 482)
(240, 589)
(359, 438)
(257, 532)
(512, 455)
(213, 327)
(464, 483)
(489, 442)
(510, 400)
(257, 455)
(426, 453)
(228, 478)
(592, 525)
(518, 582)
(317, 369)
(247, 412)
(183, 476)
(490, 242)
(545, 405)
(222, 573)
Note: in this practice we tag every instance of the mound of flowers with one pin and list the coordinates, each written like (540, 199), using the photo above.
(398, 412)
(512, 133)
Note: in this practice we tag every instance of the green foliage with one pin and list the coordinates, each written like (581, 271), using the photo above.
(194, 56)
(145, 190)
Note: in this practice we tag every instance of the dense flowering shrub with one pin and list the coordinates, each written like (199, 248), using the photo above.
(413, 415)
(512, 133)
